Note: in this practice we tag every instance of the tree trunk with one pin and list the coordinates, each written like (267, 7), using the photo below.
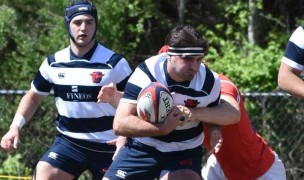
(252, 24)
(181, 10)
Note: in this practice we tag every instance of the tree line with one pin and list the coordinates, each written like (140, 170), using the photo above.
(246, 42)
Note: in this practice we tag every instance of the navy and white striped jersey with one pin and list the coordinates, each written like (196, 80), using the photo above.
(202, 91)
(76, 84)
(294, 52)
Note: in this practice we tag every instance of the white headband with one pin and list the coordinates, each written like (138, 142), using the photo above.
(186, 51)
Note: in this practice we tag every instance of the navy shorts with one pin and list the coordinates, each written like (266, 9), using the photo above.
(138, 161)
(74, 158)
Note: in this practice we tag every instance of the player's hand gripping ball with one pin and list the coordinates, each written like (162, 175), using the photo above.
(154, 103)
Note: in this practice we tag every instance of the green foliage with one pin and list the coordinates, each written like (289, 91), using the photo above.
(32, 36)
(237, 16)
(13, 166)
(249, 66)
(7, 20)
(31, 30)
(123, 24)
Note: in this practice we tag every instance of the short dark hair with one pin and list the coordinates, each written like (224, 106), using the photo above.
(186, 36)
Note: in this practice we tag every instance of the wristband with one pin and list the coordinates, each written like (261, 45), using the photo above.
(18, 121)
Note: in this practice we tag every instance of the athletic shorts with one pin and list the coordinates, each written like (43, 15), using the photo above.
(212, 170)
(138, 161)
(74, 158)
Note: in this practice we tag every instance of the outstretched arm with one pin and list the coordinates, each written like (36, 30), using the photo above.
(226, 113)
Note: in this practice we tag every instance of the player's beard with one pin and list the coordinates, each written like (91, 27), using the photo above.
(188, 75)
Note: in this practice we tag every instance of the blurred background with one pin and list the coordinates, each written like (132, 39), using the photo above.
(246, 42)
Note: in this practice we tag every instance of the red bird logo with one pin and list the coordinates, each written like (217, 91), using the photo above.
(96, 77)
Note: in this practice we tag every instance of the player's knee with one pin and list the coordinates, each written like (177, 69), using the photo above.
(46, 171)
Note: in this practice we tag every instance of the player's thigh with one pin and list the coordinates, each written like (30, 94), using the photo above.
(134, 162)
(48, 172)
(64, 156)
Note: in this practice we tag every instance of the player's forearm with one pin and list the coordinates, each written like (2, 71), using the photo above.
(118, 95)
(28, 105)
(129, 125)
(132, 126)
(222, 114)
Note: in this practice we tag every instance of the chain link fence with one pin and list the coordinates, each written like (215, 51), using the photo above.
(277, 117)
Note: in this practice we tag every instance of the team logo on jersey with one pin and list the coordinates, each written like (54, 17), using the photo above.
(74, 88)
(53, 155)
(75, 95)
(96, 77)
(61, 75)
(121, 174)
(192, 103)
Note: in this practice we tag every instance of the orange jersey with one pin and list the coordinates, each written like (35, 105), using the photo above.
(244, 153)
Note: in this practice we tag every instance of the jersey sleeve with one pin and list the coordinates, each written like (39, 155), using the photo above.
(212, 86)
(41, 84)
(122, 72)
(294, 51)
(138, 80)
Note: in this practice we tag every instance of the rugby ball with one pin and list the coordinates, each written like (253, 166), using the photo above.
(154, 103)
